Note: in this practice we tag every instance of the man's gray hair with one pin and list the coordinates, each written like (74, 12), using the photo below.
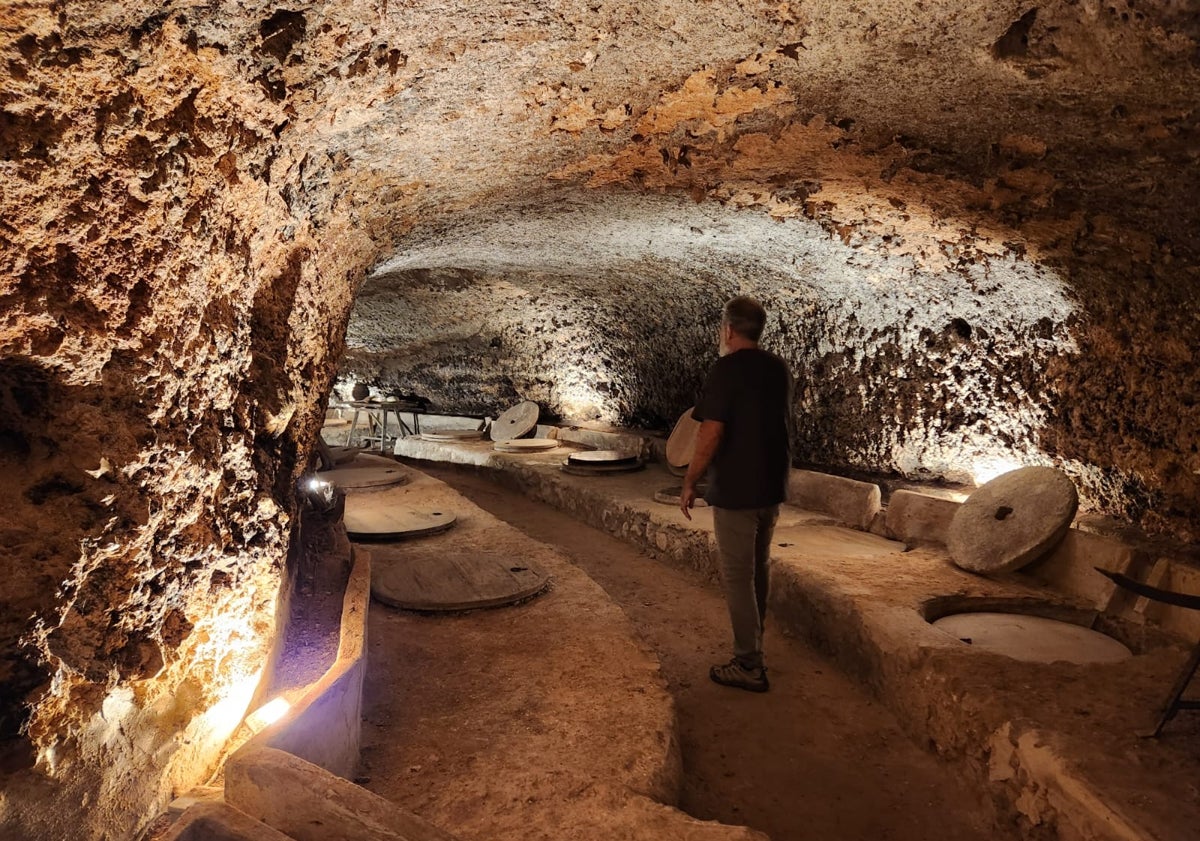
(746, 316)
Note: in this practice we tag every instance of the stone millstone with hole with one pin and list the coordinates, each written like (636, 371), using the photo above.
(1012, 520)
(516, 422)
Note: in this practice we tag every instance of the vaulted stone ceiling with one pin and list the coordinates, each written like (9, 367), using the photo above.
(974, 224)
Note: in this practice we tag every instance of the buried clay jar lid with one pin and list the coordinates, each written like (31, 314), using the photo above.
(602, 457)
(525, 445)
(452, 435)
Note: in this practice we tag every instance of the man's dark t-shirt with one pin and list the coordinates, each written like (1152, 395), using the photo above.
(749, 391)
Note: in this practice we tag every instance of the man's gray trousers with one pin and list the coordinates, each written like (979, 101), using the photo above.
(744, 545)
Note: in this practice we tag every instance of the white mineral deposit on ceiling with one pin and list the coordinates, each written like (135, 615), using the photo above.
(630, 256)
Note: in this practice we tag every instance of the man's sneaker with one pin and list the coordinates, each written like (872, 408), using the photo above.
(735, 674)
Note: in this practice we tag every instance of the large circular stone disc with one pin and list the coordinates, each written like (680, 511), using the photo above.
(681, 445)
(366, 471)
(432, 579)
(525, 445)
(1034, 639)
(1012, 520)
(516, 422)
(602, 457)
(453, 435)
(381, 517)
(599, 469)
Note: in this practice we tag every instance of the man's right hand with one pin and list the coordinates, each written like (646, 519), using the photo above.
(687, 498)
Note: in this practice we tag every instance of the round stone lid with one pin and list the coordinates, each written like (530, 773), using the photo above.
(1012, 520)
(381, 517)
(452, 435)
(681, 445)
(596, 469)
(436, 578)
(670, 496)
(1034, 639)
(516, 422)
(525, 445)
(366, 471)
(602, 457)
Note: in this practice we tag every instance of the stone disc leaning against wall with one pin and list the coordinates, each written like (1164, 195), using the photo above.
(1012, 520)
(681, 444)
(516, 422)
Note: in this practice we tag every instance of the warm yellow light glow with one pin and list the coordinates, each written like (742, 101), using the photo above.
(225, 715)
(267, 714)
(986, 469)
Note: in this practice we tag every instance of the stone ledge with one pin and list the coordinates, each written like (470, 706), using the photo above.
(1069, 568)
(218, 822)
(849, 501)
(859, 597)
(919, 519)
(916, 519)
(307, 803)
(323, 726)
(1051, 793)
(1171, 575)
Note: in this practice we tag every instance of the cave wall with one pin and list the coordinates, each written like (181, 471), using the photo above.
(191, 193)
(932, 372)
(166, 334)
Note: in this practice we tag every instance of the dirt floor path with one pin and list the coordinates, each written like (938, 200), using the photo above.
(815, 757)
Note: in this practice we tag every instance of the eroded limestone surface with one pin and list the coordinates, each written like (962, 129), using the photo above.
(975, 226)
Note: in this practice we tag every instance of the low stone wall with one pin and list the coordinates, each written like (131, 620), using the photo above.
(324, 725)
(219, 822)
(850, 502)
(307, 803)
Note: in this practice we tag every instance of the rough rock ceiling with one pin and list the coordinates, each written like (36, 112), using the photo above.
(191, 193)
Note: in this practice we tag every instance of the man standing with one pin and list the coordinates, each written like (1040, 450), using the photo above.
(743, 444)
